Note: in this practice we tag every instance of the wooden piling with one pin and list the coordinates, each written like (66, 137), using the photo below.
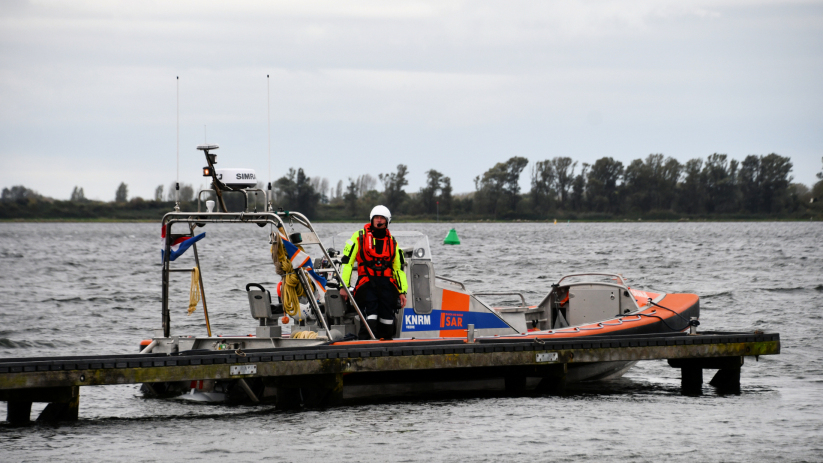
(63, 403)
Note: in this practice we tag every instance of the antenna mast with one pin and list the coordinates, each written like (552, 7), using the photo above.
(268, 127)
(177, 183)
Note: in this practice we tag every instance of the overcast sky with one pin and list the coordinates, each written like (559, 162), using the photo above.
(88, 89)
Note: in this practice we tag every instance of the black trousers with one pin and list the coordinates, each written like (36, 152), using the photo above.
(378, 299)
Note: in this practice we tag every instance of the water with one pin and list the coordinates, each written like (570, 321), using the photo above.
(95, 289)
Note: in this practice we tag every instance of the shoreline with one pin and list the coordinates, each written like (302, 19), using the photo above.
(397, 221)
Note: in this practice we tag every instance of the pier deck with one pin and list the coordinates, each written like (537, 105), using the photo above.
(327, 368)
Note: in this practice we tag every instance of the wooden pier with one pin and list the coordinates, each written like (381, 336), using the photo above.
(319, 373)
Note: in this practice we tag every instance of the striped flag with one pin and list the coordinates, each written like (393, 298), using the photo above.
(299, 259)
(178, 245)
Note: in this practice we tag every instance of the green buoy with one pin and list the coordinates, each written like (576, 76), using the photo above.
(452, 238)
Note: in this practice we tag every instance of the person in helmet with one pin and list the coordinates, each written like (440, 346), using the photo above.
(381, 281)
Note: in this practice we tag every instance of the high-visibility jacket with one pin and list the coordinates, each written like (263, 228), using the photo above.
(362, 248)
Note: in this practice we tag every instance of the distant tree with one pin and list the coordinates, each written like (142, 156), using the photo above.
(122, 193)
(601, 186)
(563, 168)
(321, 186)
(800, 194)
(186, 192)
(651, 184)
(77, 195)
(749, 183)
(171, 193)
(19, 194)
(543, 192)
(578, 195)
(350, 198)
(307, 198)
(394, 183)
(296, 192)
(324, 190)
(158, 193)
(436, 192)
(669, 176)
(368, 201)
(445, 199)
(764, 183)
(499, 188)
(775, 177)
(690, 194)
(636, 188)
(463, 204)
(817, 192)
(365, 183)
(719, 183)
(427, 196)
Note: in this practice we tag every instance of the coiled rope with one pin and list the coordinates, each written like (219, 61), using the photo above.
(194, 291)
(291, 290)
(305, 335)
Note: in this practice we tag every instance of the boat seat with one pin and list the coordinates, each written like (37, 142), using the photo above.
(259, 301)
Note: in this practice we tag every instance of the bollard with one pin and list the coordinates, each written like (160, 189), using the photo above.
(693, 324)
(470, 333)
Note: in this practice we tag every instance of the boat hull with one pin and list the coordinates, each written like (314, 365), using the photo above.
(670, 314)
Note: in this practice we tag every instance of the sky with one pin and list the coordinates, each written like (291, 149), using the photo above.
(89, 90)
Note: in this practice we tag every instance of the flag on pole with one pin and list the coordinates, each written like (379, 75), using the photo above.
(300, 258)
(178, 245)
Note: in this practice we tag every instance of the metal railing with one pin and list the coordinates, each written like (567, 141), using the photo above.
(451, 281)
(258, 218)
(245, 192)
(616, 276)
(503, 293)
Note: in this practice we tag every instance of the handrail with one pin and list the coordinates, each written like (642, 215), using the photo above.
(503, 293)
(451, 281)
(245, 192)
(270, 217)
(615, 275)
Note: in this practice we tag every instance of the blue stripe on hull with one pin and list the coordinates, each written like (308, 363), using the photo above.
(449, 320)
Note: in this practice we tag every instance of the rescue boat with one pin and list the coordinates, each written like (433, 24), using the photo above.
(306, 308)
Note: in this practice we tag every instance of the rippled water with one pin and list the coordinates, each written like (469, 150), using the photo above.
(95, 288)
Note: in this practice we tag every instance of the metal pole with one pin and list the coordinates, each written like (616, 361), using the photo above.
(166, 255)
(177, 183)
(304, 280)
(202, 289)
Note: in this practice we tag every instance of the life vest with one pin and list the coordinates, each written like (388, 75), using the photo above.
(370, 263)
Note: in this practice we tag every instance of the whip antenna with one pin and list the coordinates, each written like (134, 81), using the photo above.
(177, 183)
(268, 127)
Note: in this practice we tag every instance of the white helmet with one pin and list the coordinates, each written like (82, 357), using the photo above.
(380, 210)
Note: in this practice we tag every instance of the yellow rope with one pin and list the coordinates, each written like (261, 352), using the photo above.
(292, 290)
(194, 292)
(305, 335)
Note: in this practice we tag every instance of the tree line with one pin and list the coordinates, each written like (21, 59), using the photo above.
(655, 187)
